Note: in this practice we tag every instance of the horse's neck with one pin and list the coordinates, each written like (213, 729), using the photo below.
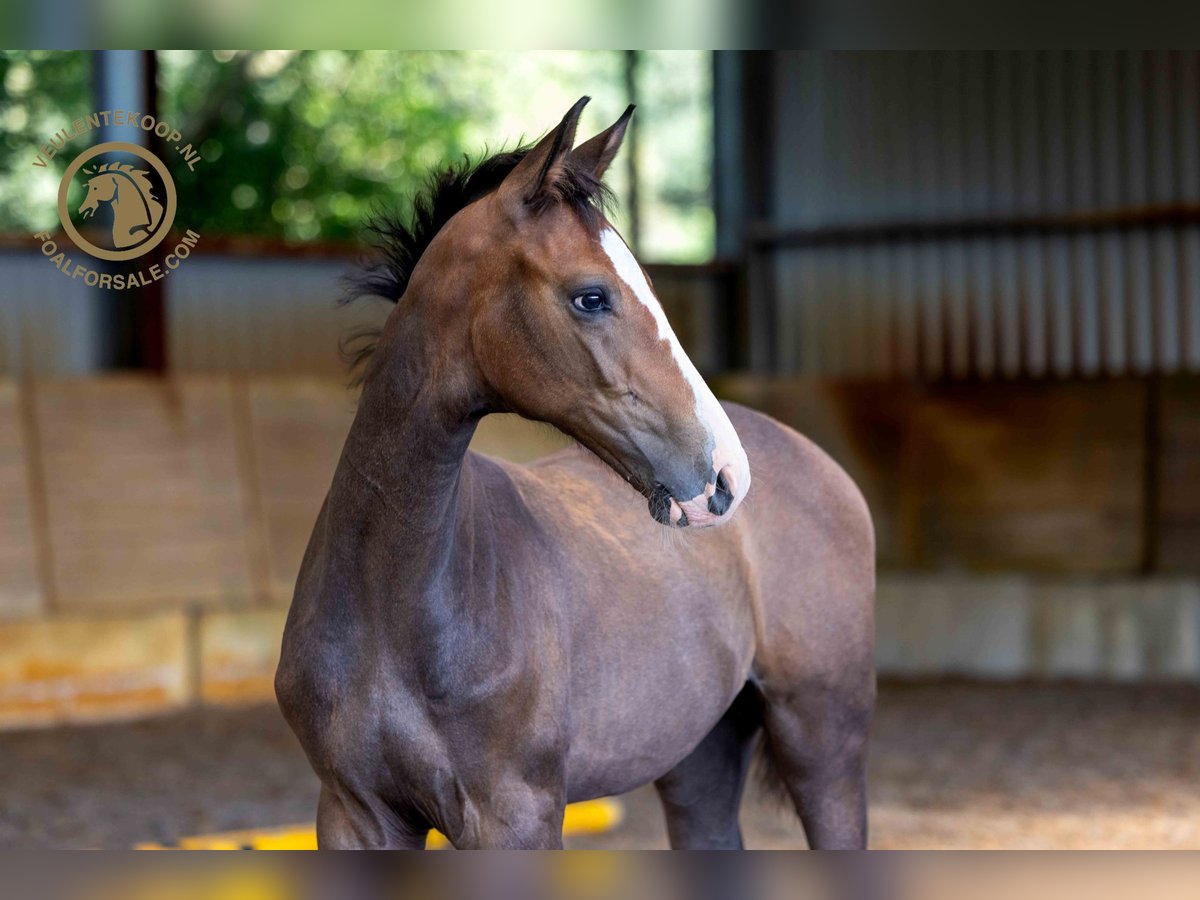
(128, 212)
(408, 443)
(411, 452)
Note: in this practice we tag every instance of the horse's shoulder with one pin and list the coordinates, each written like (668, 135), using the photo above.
(788, 464)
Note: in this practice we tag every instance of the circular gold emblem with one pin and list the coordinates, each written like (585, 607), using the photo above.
(134, 204)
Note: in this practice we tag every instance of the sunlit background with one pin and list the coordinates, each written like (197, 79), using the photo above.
(301, 145)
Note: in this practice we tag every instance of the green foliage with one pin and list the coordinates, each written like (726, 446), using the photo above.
(676, 163)
(303, 145)
(43, 91)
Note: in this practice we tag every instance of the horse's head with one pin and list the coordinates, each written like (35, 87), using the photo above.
(564, 327)
(101, 188)
(136, 212)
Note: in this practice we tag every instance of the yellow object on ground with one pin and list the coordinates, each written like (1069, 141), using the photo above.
(588, 817)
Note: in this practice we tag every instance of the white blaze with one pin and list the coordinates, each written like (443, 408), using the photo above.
(727, 447)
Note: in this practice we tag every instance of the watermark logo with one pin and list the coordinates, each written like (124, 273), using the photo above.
(117, 202)
(136, 199)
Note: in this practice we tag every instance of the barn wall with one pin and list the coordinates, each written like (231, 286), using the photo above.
(975, 213)
(1024, 529)
(48, 324)
(153, 528)
(269, 313)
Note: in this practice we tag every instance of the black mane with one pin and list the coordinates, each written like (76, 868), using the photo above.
(398, 243)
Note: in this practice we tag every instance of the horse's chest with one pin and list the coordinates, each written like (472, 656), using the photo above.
(652, 672)
(461, 692)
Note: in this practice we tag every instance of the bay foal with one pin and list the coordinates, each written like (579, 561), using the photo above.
(473, 643)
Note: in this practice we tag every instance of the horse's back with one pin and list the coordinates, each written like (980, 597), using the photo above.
(804, 528)
(796, 487)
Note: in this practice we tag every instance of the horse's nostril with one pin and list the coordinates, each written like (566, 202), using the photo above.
(719, 502)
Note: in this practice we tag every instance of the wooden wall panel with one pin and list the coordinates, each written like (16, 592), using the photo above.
(143, 494)
(1044, 477)
(20, 591)
(1177, 481)
(297, 426)
(864, 426)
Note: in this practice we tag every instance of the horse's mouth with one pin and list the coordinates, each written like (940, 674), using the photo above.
(661, 502)
(87, 211)
(664, 508)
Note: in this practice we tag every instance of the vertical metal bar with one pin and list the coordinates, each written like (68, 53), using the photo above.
(152, 325)
(1163, 172)
(730, 208)
(881, 279)
(1187, 112)
(982, 312)
(813, 295)
(870, 136)
(1030, 163)
(929, 259)
(728, 188)
(1086, 311)
(896, 140)
(1140, 280)
(1004, 202)
(1055, 182)
(759, 132)
(134, 325)
(908, 313)
(856, 320)
(630, 59)
(1109, 193)
(951, 201)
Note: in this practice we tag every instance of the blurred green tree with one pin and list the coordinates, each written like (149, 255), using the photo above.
(302, 145)
(43, 91)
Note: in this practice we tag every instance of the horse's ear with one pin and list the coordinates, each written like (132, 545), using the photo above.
(597, 154)
(535, 176)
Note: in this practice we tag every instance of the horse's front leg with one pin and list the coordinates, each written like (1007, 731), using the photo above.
(347, 824)
(512, 817)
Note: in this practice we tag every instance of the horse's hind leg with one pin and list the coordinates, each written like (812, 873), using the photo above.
(701, 795)
(816, 739)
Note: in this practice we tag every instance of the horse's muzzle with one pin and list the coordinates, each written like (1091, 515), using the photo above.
(706, 509)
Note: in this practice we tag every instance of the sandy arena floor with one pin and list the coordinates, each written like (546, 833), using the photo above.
(954, 765)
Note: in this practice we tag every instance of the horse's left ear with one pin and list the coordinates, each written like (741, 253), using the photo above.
(535, 176)
(597, 154)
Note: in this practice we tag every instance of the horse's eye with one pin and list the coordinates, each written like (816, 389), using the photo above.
(590, 301)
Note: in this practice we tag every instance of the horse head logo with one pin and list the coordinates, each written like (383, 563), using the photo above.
(138, 191)
(137, 213)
